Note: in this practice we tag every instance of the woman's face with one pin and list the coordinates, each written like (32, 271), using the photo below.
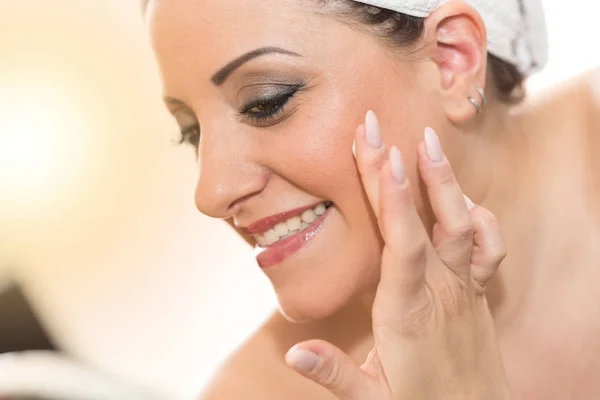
(277, 129)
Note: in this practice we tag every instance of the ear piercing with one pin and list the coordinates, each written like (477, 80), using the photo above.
(478, 104)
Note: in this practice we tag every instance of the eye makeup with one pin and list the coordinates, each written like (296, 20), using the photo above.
(268, 102)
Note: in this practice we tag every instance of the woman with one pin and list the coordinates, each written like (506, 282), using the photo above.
(379, 250)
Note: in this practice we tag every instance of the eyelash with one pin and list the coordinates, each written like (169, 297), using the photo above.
(276, 103)
(190, 135)
(274, 106)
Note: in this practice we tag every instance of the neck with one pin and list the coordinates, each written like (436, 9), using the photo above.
(498, 172)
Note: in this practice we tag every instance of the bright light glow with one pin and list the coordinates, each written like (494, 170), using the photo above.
(29, 149)
(41, 146)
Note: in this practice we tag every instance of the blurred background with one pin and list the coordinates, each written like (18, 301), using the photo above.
(102, 253)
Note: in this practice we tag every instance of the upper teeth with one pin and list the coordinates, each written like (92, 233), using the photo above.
(290, 227)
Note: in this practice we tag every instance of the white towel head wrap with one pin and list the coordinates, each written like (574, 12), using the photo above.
(516, 28)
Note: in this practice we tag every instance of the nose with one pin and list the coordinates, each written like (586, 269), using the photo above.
(228, 177)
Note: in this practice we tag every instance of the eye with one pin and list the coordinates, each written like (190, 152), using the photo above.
(190, 128)
(190, 135)
(263, 110)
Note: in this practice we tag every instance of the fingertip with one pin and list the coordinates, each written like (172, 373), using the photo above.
(433, 145)
(357, 136)
(360, 129)
(328, 366)
(469, 202)
(373, 130)
(397, 165)
(302, 360)
(422, 156)
(393, 181)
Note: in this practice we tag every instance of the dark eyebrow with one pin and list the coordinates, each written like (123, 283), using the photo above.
(221, 75)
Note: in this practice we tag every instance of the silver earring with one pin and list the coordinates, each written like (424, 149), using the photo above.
(482, 93)
(478, 106)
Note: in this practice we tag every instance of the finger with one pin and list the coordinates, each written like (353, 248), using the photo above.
(331, 368)
(453, 233)
(489, 249)
(370, 154)
(407, 242)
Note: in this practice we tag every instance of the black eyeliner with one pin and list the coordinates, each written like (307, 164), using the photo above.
(279, 98)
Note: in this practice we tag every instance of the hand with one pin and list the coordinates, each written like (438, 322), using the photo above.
(434, 334)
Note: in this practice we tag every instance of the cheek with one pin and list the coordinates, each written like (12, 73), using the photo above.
(313, 150)
(317, 144)
(314, 153)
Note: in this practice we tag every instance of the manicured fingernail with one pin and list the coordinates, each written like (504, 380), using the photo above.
(397, 165)
(470, 204)
(302, 360)
(372, 130)
(434, 148)
(354, 148)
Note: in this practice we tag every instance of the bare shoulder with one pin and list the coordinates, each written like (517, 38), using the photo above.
(568, 115)
(577, 98)
(586, 96)
(571, 121)
(590, 84)
(591, 105)
(257, 371)
(585, 90)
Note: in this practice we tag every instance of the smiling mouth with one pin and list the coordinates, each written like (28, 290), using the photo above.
(292, 226)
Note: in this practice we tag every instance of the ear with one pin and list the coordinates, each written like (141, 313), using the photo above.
(460, 53)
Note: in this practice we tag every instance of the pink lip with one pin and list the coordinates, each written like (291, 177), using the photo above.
(278, 252)
(265, 224)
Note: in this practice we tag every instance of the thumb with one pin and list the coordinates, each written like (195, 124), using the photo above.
(331, 368)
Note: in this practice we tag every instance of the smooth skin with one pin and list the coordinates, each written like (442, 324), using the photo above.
(533, 165)
(433, 332)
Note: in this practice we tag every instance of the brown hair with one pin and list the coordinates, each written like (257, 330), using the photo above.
(401, 30)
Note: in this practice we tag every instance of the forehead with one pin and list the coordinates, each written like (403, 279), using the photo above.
(213, 32)
(210, 13)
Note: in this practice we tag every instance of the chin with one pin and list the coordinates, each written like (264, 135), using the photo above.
(302, 310)
(317, 296)
(338, 266)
